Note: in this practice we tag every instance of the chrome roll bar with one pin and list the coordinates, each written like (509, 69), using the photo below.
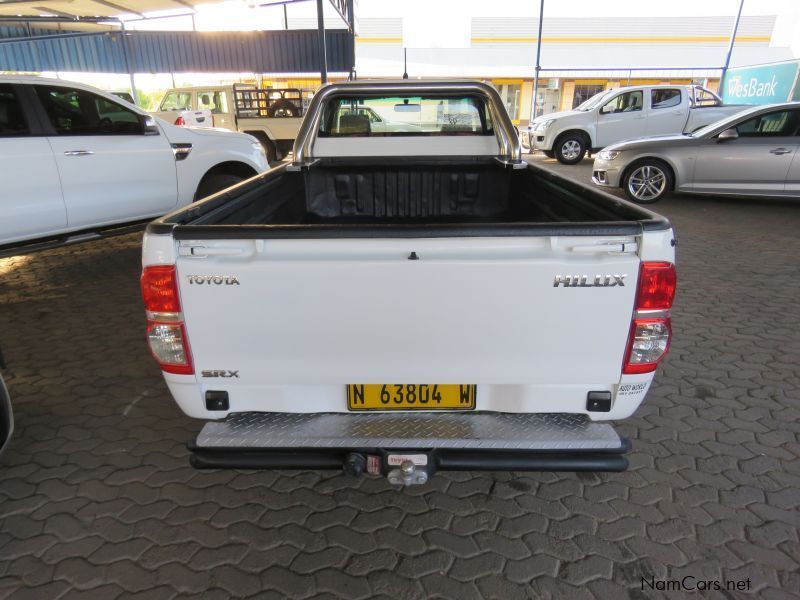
(507, 138)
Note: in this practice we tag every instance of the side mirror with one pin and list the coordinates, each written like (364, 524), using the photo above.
(608, 108)
(149, 126)
(728, 134)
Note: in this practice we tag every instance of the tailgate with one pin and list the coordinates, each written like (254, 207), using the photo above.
(478, 310)
(200, 118)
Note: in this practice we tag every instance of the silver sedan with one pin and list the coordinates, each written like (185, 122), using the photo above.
(753, 153)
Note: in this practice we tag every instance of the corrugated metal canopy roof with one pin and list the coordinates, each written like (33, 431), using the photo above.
(295, 51)
(90, 8)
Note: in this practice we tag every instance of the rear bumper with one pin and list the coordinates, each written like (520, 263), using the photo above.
(450, 441)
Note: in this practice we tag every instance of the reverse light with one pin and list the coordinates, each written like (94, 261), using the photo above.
(168, 345)
(166, 333)
(648, 345)
(651, 329)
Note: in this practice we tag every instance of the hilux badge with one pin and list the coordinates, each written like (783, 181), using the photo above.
(583, 280)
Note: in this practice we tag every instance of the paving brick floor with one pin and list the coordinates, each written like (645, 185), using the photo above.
(97, 499)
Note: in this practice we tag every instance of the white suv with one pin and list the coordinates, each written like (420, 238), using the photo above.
(76, 161)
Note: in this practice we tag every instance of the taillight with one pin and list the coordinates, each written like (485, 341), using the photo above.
(160, 289)
(651, 329)
(180, 121)
(647, 345)
(657, 282)
(166, 333)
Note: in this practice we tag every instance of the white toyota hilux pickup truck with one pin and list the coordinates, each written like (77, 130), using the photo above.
(625, 113)
(401, 302)
(77, 162)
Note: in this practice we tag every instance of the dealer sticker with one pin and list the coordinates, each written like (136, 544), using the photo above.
(395, 460)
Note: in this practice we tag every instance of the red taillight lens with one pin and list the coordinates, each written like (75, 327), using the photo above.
(180, 121)
(657, 281)
(166, 333)
(160, 289)
(651, 329)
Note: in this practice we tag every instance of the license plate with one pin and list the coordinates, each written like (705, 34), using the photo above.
(411, 397)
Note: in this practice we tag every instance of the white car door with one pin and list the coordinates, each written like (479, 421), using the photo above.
(667, 111)
(31, 204)
(112, 170)
(621, 118)
(756, 163)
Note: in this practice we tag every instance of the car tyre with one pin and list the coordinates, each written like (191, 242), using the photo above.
(283, 108)
(570, 148)
(549, 153)
(216, 183)
(647, 181)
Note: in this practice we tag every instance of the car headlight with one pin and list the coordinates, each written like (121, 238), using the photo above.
(608, 154)
(543, 124)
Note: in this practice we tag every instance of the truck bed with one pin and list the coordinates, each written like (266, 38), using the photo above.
(452, 198)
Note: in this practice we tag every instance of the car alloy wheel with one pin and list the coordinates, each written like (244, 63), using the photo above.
(571, 149)
(647, 183)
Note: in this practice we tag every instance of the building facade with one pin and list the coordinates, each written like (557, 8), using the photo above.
(580, 56)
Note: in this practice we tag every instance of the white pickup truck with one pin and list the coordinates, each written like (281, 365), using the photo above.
(623, 114)
(270, 115)
(77, 162)
(401, 302)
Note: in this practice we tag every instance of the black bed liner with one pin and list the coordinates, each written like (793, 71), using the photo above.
(409, 198)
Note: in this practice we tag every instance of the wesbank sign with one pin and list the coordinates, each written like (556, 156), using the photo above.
(760, 85)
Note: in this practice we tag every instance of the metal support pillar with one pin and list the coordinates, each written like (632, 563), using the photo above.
(351, 23)
(128, 65)
(538, 62)
(323, 57)
(731, 42)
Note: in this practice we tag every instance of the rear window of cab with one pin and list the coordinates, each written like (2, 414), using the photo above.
(390, 116)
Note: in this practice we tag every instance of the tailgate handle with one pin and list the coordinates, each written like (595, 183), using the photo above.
(615, 247)
(203, 251)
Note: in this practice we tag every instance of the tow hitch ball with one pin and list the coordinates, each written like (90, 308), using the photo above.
(407, 474)
(402, 470)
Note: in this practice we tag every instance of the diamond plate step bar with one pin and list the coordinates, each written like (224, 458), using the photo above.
(473, 430)
(452, 441)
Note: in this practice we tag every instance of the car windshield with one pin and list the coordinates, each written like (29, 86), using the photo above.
(593, 101)
(725, 123)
